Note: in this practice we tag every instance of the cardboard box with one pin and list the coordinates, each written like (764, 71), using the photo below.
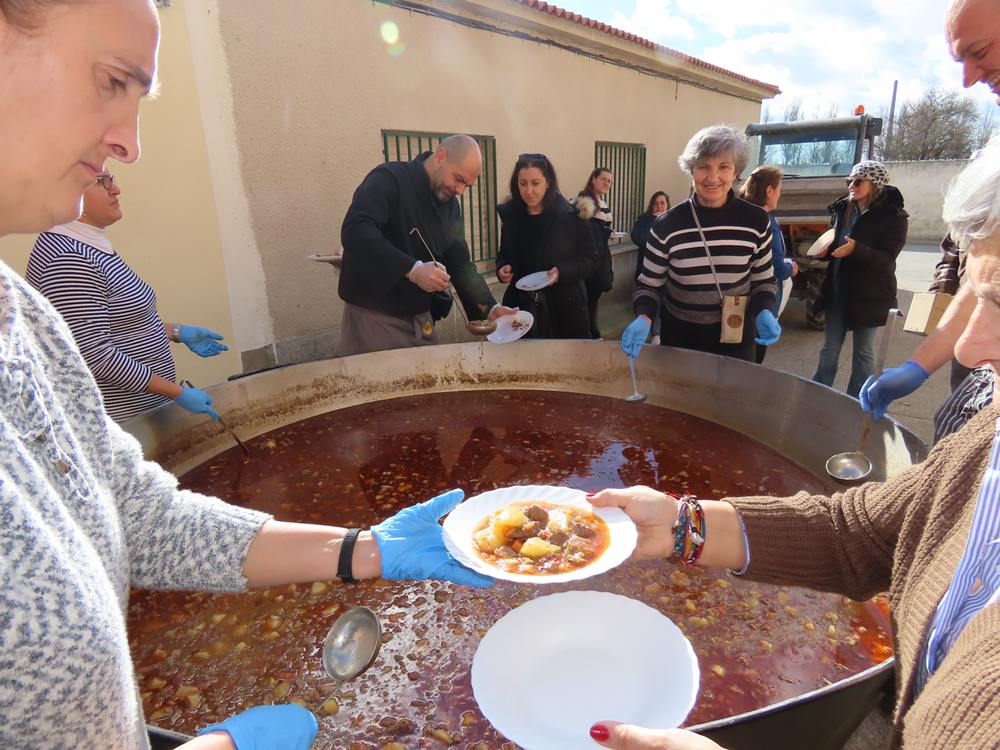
(925, 311)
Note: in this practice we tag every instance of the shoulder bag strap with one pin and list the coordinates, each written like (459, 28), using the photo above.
(708, 254)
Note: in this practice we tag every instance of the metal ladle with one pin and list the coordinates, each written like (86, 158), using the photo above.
(352, 644)
(636, 396)
(475, 327)
(855, 466)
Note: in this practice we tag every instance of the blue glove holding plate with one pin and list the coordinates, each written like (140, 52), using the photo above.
(412, 545)
(284, 727)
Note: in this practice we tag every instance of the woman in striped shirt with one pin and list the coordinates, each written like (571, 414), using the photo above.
(112, 312)
(703, 252)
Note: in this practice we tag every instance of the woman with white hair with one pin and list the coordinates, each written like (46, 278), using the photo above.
(709, 260)
(930, 535)
(860, 285)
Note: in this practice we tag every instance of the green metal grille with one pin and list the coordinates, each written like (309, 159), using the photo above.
(627, 162)
(479, 201)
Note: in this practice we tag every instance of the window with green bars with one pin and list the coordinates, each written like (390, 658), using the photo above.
(627, 162)
(479, 201)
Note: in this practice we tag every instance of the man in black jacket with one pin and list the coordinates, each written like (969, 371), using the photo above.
(394, 289)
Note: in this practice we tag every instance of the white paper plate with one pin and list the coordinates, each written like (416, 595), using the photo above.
(786, 292)
(506, 333)
(462, 522)
(546, 671)
(822, 244)
(534, 281)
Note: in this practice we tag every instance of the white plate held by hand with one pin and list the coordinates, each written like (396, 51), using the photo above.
(462, 522)
(546, 671)
(535, 281)
(511, 327)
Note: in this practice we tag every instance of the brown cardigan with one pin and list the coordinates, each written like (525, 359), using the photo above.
(905, 536)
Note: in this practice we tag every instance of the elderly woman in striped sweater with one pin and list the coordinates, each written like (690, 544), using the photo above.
(708, 260)
(112, 312)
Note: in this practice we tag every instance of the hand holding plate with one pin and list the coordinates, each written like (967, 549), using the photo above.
(653, 513)
(630, 737)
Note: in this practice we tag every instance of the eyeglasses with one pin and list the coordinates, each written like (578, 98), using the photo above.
(106, 181)
(855, 182)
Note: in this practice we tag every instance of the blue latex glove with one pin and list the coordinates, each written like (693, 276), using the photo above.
(896, 382)
(635, 336)
(284, 727)
(768, 330)
(196, 401)
(412, 545)
(202, 341)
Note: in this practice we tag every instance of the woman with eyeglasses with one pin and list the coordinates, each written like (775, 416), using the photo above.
(85, 518)
(541, 231)
(603, 279)
(112, 312)
(763, 188)
(860, 285)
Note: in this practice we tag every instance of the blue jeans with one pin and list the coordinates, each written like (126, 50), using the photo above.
(862, 360)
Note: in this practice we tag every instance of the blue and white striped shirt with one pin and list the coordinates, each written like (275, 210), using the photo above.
(976, 583)
(111, 312)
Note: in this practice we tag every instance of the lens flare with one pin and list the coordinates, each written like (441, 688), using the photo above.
(389, 32)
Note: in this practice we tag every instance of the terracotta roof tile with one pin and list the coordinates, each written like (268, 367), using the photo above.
(555, 10)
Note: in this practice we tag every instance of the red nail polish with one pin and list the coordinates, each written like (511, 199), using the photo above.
(600, 732)
(591, 494)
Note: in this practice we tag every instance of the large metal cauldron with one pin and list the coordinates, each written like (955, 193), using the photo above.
(804, 421)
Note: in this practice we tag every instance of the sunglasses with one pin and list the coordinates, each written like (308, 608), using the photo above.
(106, 181)
(533, 157)
(855, 182)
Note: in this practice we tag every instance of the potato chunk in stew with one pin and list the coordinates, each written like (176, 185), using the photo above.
(541, 538)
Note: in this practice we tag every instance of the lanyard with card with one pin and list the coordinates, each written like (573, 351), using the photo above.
(734, 306)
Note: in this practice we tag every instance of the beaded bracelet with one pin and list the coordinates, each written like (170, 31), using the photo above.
(689, 530)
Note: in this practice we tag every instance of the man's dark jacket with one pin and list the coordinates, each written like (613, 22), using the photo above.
(867, 277)
(379, 250)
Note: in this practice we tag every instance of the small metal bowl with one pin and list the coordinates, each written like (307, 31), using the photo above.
(849, 468)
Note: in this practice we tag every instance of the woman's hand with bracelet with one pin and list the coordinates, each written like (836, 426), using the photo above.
(653, 513)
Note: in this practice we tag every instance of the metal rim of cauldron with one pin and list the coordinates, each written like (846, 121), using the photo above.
(690, 382)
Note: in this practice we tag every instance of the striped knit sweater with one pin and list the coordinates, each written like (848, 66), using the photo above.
(906, 536)
(84, 518)
(111, 312)
(676, 265)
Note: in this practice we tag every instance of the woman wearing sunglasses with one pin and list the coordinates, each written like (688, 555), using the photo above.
(542, 232)
(860, 285)
(112, 312)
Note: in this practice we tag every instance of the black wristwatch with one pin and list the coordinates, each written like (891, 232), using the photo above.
(345, 565)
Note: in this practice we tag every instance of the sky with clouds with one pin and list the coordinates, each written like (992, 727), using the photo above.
(827, 53)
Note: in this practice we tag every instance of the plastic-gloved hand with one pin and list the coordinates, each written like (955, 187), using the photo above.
(284, 727)
(635, 335)
(196, 401)
(202, 341)
(412, 545)
(768, 330)
(896, 382)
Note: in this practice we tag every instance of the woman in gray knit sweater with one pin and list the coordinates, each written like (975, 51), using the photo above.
(930, 536)
(82, 516)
